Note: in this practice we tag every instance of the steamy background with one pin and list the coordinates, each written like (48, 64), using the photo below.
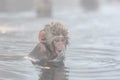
(94, 49)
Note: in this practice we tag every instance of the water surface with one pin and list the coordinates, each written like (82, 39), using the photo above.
(92, 54)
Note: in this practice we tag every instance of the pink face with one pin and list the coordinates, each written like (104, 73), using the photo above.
(59, 43)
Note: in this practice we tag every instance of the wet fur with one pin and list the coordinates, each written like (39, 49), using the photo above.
(45, 50)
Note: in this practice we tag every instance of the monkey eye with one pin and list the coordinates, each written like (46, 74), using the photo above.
(59, 39)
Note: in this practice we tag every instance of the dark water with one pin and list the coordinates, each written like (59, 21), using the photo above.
(93, 52)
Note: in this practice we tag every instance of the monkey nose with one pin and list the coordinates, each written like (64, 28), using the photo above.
(60, 49)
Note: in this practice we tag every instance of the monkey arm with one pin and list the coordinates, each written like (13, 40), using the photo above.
(38, 55)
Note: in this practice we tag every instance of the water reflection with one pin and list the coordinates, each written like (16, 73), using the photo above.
(53, 71)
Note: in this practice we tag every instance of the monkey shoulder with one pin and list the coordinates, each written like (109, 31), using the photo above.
(38, 52)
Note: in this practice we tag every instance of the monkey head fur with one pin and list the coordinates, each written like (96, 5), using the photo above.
(50, 33)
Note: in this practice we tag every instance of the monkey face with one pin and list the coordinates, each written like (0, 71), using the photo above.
(59, 45)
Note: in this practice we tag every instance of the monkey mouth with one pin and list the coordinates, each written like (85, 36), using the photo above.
(60, 52)
(59, 57)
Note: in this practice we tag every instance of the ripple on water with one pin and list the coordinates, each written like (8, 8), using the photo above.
(93, 63)
(83, 63)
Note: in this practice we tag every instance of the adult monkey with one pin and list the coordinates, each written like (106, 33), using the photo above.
(53, 41)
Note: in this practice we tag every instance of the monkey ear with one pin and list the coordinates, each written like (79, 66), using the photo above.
(41, 36)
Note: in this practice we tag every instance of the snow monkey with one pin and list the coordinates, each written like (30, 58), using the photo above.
(53, 40)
